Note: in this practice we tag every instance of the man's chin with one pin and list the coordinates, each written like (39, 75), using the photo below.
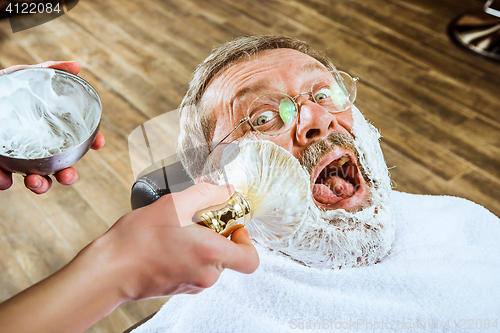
(341, 239)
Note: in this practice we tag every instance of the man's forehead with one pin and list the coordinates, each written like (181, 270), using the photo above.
(269, 70)
(281, 59)
(272, 60)
(313, 66)
(265, 84)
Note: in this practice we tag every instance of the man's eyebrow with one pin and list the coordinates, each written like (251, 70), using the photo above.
(313, 66)
(308, 67)
(249, 90)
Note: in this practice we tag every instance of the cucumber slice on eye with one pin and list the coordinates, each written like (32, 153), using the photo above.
(287, 110)
(339, 96)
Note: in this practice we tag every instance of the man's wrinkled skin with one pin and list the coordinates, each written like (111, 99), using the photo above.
(291, 72)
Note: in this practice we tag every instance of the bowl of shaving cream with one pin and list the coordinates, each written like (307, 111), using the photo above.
(48, 120)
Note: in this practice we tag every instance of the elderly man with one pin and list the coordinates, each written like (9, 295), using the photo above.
(364, 257)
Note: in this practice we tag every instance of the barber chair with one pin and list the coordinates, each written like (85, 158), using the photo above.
(478, 31)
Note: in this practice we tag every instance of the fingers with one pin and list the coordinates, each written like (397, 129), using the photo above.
(12, 69)
(99, 141)
(68, 66)
(200, 196)
(205, 195)
(41, 184)
(241, 255)
(5, 179)
(38, 184)
(67, 176)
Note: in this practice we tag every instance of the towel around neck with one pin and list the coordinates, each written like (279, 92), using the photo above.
(442, 272)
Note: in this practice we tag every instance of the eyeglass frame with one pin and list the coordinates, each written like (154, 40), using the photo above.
(311, 98)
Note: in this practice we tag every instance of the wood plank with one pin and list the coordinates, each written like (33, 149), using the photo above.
(38, 248)
(12, 54)
(70, 216)
(132, 50)
(484, 190)
(12, 276)
(136, 19)
(379, 99)
(440, 162)
(441, 44)
(488, 89)
(86, 49)
(406, 90)
(201, 22)
(251, 16)
(481, 156)
(482, 131)
(434, 15)
(409, 176)
(342, 45)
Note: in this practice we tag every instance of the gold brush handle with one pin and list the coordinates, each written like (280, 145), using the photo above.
(227, 217)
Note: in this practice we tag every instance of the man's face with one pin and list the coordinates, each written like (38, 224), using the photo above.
(292, 72)
(348, 222)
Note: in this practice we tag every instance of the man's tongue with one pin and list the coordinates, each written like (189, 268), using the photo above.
(332, 190)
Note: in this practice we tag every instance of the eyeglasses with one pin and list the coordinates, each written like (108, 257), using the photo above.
(275, 113)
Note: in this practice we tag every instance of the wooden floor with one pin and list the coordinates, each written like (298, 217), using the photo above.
(437, 107)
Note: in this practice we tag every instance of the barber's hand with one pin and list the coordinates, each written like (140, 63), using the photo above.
(41, 184)
(146, 253)
(155, 256)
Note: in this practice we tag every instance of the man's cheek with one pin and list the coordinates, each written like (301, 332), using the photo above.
(346, 120)
(286, 141)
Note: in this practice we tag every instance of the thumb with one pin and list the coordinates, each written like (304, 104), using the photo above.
(69, 66)
(242, 255)
(200, 196)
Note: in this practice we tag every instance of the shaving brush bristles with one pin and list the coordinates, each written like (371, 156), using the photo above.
(276, 185)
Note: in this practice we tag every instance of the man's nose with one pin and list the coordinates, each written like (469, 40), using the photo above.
(315, 122)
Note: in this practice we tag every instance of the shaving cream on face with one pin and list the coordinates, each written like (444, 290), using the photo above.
(43, 113)
(337, 238)
(323, 238)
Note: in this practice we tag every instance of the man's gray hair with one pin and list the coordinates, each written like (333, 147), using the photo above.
(197, 121)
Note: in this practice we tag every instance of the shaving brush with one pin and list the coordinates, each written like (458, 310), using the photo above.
(272, 191)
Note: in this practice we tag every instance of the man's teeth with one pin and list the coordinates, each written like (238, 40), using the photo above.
(335, 182)
(343, 160)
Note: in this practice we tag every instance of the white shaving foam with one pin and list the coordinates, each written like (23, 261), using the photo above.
(43, 113)
(337, 238)
(324, 239)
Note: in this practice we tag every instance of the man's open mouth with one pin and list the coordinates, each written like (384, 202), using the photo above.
(337, 181)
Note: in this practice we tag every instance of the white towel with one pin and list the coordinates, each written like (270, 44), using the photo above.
(443, 273)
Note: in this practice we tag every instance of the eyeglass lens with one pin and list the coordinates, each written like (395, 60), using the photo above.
(275, 113)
